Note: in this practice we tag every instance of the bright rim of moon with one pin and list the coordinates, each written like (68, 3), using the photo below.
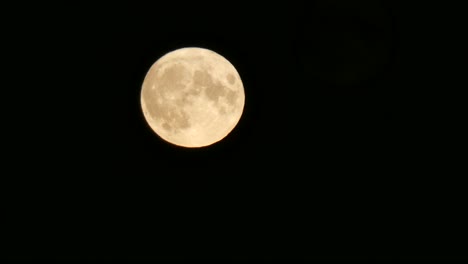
(192, 97)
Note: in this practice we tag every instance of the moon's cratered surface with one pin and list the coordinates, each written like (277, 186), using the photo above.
(192, 97)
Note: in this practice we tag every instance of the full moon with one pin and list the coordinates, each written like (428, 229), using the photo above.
(192, 97)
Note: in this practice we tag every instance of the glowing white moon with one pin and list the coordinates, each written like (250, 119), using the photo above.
(192, 97)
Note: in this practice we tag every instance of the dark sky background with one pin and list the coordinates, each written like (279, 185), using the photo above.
(344, 150)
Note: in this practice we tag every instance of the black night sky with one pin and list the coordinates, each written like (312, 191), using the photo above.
(340, 153)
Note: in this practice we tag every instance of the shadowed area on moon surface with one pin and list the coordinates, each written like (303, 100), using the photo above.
(170, 82)
(184, 93)
(213, 89)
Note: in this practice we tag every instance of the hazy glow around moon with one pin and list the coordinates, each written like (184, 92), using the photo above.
(192, 97)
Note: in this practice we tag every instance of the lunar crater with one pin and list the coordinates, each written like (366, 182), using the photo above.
(231, 79)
